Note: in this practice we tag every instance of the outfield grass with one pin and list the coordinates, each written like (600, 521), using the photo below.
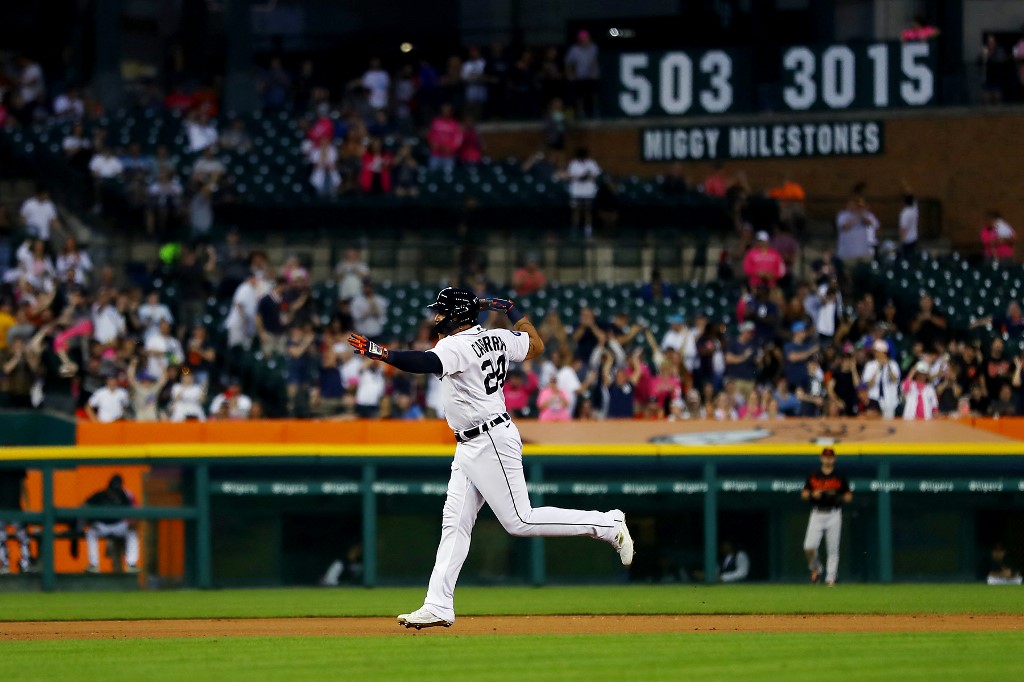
(633, 599)
(923, 657)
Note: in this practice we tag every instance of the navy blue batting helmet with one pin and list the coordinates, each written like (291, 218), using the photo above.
(459, 306)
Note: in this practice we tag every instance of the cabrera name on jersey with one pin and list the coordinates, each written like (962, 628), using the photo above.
(475, 362)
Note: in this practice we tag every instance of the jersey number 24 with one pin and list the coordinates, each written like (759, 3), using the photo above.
(494, 374)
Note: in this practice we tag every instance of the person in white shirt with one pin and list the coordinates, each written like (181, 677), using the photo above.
(325, 177)
(109, 403)
(238, 404)
(187, 399)
(108, 324)
(32, 86)
(74, 260)
(241, 320)
(105, 166)
(377, 81)
(153, 312)
(350, 272)
(474, 76)
(201, 132)
(40, 215)
(882, 376)
(472, 363)
(162, 349)
(369, 311)
(582, 174)
(370, 388)
(908, 225)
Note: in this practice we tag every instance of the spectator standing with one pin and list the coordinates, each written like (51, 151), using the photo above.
(20, 366)
(144, 392)
(241, 320)
(908, 224)
(110, 403)
(272, 319)
(555, 132)
(920, 399)
(474, 76)
(201, 131)
(791, 198)
(187, 397)
(998, 71)
(445, 139)
(375, 172)
(471, 151)
(763, 265)
(369, 311)
(582, 174)
(31, 87)
(529, 278)
(351, 271)
(165, 194)
(151, 313)
(553, 403)
(276, 85)
(40, 215)
(378, 84)
(998, 238)
(371, 388)
(882, 376)
(405, 173)
(583, 72)
(741, 358)
(520, 389)
(325, 177)
(857, 226)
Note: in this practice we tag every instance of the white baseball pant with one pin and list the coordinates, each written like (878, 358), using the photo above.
(121, 529)
(828, 524)
(23, 541)
(489, 468)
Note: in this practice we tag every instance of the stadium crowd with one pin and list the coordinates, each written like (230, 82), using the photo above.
(798, 347)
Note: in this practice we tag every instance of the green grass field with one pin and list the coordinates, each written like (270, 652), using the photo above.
(449, 656)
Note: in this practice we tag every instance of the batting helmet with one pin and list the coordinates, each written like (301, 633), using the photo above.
(459, 306)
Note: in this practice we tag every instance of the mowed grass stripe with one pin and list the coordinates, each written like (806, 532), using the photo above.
(553, 600)
(791, 657)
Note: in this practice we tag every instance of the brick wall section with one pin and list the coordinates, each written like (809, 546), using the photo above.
(968, 160)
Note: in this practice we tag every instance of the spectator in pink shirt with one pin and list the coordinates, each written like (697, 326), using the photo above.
(322, 128)
(716, 184)
(997, 237)
(763, 265)
(445, 139)
(518, 390)
(553, 403)
(471, 151)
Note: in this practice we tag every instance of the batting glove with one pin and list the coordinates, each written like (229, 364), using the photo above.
(364, 346)
(502, 305)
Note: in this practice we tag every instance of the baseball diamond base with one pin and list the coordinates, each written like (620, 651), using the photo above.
(506, 625)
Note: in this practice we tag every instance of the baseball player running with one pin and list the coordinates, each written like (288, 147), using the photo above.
(826, 490)
(488, 465)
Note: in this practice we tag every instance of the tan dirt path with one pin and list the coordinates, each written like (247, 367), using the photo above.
(503, 625)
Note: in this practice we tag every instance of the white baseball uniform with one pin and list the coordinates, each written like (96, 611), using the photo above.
(488, 463)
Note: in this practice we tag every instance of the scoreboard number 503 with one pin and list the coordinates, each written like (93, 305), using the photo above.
(868, 76)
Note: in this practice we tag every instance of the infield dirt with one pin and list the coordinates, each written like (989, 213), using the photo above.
(503, 625)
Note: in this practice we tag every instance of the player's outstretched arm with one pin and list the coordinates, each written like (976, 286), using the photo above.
(412, 361)
(519, 322)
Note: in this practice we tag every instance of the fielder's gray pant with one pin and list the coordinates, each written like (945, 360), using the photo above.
(828, 524)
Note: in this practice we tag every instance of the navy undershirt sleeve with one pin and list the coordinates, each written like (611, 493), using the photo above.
(415, 361)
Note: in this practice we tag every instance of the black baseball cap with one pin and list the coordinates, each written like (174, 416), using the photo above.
(828, 452)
